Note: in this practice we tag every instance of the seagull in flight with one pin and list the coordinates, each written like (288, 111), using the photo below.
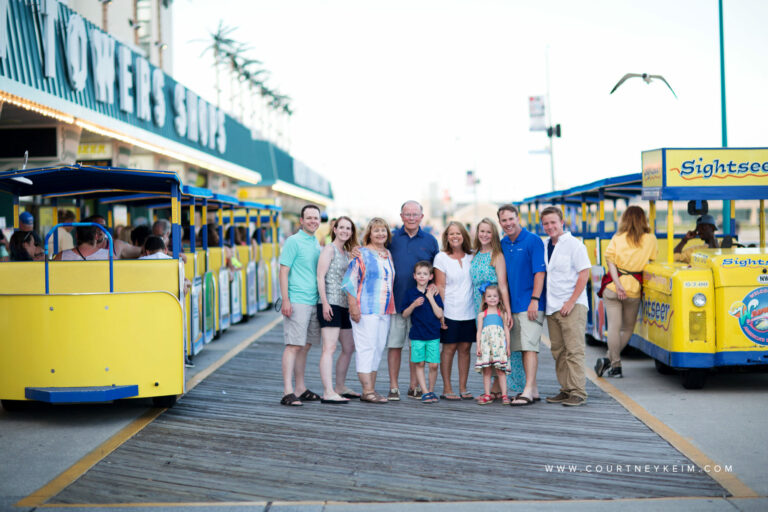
(646, 77)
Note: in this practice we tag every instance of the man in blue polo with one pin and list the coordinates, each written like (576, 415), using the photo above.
(410, 244)
(524, 258)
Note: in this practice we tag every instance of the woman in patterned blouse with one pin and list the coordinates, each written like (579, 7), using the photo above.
(368, 283)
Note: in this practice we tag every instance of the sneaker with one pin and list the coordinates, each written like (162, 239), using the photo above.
(574, 400)
(394, 395)
(188, 363)
(615, 373)
(558, 398)
(415, 392)
(602, 364)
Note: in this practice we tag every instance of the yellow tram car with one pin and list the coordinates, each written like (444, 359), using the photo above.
(698, 316)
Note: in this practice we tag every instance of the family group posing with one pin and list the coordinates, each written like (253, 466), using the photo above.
(400, 287)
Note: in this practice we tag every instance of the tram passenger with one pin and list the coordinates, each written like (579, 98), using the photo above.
(154, 249)
(627, 253)
(459, 330)
(26, 222)
(488, 267)
(90, 246)
(566, 305)
(162, 228)
(4, 247)
(122, 250)
(705, 230)
(298, 290)
(139, 235)
(26, 246)
(333, 311)
(64, 233)
(368, 283)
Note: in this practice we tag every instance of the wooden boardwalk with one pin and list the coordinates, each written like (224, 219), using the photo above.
(230, 440)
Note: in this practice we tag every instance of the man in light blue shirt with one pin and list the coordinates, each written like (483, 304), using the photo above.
(298, 290)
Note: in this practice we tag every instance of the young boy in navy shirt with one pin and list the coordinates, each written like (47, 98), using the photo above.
(424, 306)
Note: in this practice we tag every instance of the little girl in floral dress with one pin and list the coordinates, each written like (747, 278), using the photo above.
(492, 343)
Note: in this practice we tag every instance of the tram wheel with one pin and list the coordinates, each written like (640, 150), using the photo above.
(14, 405)
(663, 369)
(693, 379)
(166, 401)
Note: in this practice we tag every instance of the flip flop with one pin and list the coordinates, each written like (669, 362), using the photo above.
(290, 400)
(467, 396)
(450, 396)
(309, 396)
(525, 399)
(348, 393)
(333, 401)
(535, 399)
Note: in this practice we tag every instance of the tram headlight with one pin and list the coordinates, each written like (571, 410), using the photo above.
(699, 300)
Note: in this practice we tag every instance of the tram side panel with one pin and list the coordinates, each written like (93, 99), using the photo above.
(82, 336)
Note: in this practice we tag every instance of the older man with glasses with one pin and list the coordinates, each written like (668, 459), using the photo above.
(410, 244)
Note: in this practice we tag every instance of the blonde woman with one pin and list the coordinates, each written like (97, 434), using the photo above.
(368, 284)
(488, 268)
(627, 253)
(455, 286)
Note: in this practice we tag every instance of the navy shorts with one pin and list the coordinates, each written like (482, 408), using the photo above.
(459, 331)
(340, 317)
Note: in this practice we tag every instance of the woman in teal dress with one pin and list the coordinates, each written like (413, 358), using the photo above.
(488, 267)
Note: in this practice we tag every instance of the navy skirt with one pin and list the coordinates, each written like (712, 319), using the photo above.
(459, 331)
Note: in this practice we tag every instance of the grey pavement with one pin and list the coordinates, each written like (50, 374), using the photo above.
(725, 421)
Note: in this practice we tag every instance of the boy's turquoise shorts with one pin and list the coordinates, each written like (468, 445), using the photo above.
(425, 351)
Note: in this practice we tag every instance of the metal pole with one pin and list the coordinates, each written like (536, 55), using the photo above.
(723, 116)
(549, 126)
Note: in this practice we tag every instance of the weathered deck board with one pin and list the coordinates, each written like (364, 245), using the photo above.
(230, 440)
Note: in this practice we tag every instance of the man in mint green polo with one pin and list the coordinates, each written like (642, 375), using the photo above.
(298, 290)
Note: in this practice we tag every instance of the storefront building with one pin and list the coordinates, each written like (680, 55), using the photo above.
(69, 91)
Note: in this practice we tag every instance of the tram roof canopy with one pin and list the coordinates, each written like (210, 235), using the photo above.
(67, 179)
(618, 187)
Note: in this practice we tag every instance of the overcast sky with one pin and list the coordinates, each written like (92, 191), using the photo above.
(392, 95)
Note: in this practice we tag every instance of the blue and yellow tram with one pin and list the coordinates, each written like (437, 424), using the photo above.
(92, 331)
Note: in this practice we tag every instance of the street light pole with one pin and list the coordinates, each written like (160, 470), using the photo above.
(549, 124)
(723, 116)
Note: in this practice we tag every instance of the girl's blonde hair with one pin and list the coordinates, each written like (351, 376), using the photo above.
(498, 292)
(466, 245)
(352, 242)
(375, 223)
(495, 239)
(635, 224)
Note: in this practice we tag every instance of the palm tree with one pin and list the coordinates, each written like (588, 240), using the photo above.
(219, 43)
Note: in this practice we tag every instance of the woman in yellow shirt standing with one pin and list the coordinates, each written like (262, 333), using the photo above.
(628, 252)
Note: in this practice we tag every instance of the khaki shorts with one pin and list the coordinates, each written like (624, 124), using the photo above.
(526, 335)
(302, 327)
(399, 328)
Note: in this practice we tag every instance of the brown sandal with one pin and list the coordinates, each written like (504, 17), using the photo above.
(373, 398)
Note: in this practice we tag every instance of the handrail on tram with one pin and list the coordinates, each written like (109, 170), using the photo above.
(80, 224)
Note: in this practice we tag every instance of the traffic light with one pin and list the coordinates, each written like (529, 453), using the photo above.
(553, 130)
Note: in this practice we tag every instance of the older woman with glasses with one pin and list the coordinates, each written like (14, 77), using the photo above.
(368, 283)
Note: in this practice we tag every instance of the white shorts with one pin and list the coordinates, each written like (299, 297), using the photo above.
(370, 335)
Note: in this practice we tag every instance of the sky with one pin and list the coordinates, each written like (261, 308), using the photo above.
(390, 96)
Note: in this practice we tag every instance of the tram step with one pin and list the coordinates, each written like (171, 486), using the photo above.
(84, 394)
